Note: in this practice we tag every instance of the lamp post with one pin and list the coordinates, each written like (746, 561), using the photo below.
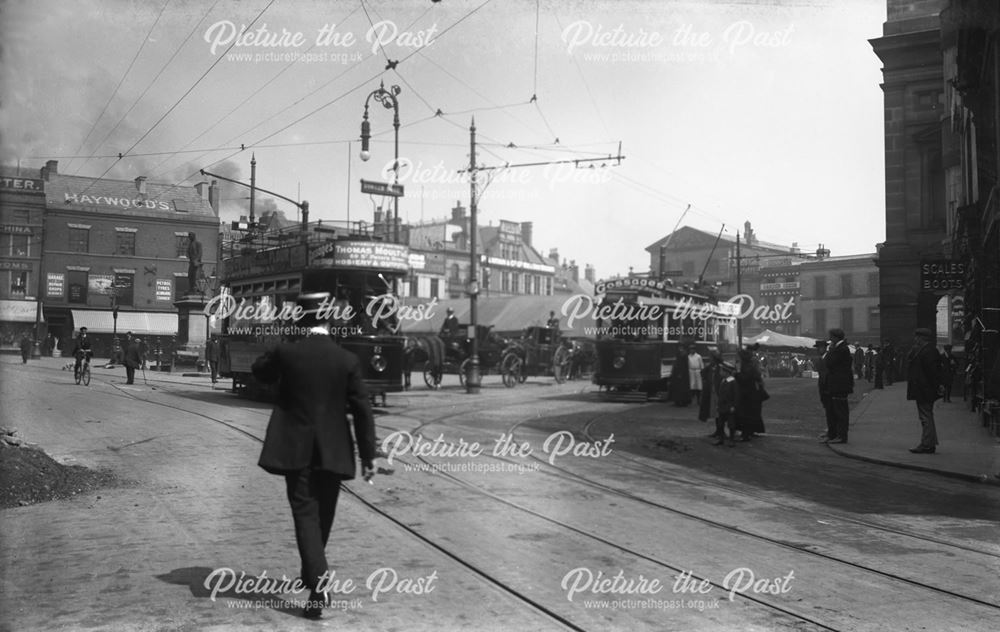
(473, 380)
(389, 101)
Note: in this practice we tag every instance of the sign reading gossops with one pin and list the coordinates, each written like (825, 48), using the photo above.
(634, 284)
(942, 275)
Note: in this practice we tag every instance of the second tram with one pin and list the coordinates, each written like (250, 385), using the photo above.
(642, 325)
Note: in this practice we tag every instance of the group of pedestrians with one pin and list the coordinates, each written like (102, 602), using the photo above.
(928, 377)
(735, 395)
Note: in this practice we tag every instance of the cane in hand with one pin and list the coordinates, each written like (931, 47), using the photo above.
(144, 380)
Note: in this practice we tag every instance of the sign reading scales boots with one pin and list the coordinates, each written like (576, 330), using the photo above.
(941, 275)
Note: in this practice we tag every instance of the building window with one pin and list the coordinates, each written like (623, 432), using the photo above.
(819, 322)
(434, 288)
(873, 318)
(20, 216)
(124, 286)
(873, 283)
(181, 245)
(820, 288)
(125, 243)
(77, 283)
(19, 245)
(847, 319)
(505, 281)
(414, 287)
(846, 285)
(456, 272)
(548, 286)
(19, 283)
(79, 240)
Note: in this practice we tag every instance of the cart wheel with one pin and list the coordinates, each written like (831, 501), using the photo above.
(429, 379)
(510, 367)
(560, 364)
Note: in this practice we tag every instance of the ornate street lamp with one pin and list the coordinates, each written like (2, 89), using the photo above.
(389, 101)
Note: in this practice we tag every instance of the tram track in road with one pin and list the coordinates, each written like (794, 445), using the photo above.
(425, 423)
(569, 476)
(641, 465)
(484, 576)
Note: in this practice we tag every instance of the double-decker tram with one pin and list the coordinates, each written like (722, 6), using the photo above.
(643, 323)
(263, 274)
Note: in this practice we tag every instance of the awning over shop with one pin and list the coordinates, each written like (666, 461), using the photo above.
(773, 340)
(19, 311)
(148, 323)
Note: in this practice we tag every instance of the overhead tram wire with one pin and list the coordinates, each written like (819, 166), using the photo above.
(228, 114)
(114, 93)
(182, 97)
(586, 86)
(155, 78)
(329, 103)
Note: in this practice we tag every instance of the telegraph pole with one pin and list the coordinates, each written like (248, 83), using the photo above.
(473, 380)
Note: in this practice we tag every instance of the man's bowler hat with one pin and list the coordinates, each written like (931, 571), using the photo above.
(923, 332)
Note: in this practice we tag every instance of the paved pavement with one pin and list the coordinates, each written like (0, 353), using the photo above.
(884, 427)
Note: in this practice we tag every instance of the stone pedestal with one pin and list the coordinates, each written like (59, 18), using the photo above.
(192, 325)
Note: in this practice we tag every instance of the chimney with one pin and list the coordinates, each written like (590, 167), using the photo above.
(201, 188)
(589, 273)
(795, 248)
(748, 235)
(213, 196)
(377, 221)
(51, 168)
(574, 271)
(140, 185)
(526, 233)
(458, 214)
(554, 255)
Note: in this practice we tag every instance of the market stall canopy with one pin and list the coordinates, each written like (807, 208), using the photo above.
(507, 314)
(139, 323)
(773, 340)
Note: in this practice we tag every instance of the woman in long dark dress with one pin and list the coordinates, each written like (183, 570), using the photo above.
(749, 397)
(680, 380)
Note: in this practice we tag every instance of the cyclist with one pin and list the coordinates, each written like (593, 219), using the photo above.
(81, 348)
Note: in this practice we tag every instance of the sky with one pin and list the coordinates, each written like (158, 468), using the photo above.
(768, 112)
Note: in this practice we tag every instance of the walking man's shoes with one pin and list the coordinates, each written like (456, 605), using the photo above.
(922, 450)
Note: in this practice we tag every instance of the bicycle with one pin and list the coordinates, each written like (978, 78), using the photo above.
(82, 374)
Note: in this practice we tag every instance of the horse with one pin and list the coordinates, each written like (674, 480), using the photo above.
(429, 350)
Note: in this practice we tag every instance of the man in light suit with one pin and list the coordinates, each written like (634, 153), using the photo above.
(309, 439)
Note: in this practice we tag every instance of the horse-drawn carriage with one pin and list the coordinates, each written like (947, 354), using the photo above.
(540, 351)
(450, 353)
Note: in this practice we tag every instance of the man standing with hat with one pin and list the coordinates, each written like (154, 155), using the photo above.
(839, 383)
(923, 384)
(309, 439)
(822, 347)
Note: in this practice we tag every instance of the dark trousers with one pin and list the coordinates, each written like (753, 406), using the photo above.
(724, 419)
(129, 374)
(213, 367)
(928, 433)
(831, 419)
(841, 416)
(312, 495)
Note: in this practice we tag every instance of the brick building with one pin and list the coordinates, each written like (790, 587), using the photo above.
(22, 206)
(124, 243)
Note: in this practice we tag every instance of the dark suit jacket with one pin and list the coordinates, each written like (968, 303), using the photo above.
(923, 375)
(317, 382)
(133, 355)
(840, 370)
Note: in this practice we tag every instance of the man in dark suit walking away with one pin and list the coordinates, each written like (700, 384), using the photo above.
(839, 383)
(309, 439)
(923, 384)
(133, 358)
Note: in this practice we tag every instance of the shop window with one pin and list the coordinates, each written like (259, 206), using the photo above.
(124, 288)
(19, 245)
(19, 283)
(181, 245)
(77, 283)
